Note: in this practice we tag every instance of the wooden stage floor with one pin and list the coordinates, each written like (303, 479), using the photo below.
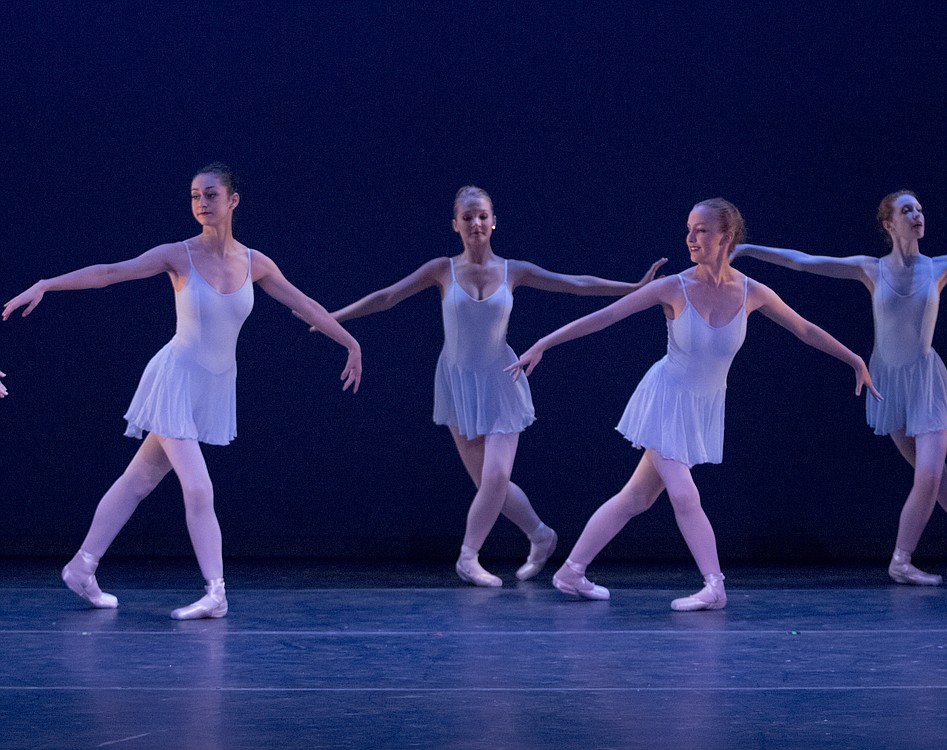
(316, 654)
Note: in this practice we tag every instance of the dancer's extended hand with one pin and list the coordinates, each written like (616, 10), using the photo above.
(352, 374)
(527, 362)
(863, 378)
(31, 298)
(652, 272)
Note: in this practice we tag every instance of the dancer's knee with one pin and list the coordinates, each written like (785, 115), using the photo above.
(198, 496)
(139, 481)
(685, 502)
(632, 503)
(927, 482)
(495, 479)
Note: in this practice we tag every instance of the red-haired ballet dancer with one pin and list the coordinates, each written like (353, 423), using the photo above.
(905, 289)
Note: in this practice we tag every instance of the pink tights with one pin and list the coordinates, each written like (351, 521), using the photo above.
(154, 459)
(652, 475)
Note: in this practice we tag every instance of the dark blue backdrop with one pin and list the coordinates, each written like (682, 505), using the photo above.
(595, 126)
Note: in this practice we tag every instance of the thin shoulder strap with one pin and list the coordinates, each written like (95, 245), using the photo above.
(249, 276)
(188, 249)
(452, 276)
(506, 269)
(746, 284)
(684, 289)
(881, 271)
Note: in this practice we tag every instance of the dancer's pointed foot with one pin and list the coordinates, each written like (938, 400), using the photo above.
(711, 596)
(79, 576)
(570, 579)
(902, 571)
(540, 550)
(212, 604)
(469, 569)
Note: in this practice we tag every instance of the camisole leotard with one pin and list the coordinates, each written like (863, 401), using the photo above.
(188, 389)
(471, 391)
(904, 367)
(678, 407)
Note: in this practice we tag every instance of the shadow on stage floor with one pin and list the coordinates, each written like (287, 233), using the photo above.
(343, 655)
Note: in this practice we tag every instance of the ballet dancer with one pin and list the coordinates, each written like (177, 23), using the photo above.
(905, 288)
(676, 413)
(484, 409)
(187, 392)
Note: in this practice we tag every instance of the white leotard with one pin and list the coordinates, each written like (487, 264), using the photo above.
(471, 391)
(188, 389)
(678, 407)
(904, 367)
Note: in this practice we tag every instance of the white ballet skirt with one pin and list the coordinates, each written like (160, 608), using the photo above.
(678, 407)
(188, 389)
(471, 391)
(908, 373)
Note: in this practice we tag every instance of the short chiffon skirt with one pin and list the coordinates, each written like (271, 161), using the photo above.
(177, 398)
(482, 401)
(679, 423)
(914, 396)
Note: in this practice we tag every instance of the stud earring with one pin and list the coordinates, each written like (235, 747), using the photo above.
(493, 227)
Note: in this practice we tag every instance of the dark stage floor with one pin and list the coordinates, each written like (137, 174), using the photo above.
(320, 655)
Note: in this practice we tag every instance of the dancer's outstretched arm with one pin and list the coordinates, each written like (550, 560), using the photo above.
(159, 259)
(527, 274)
(761, 297)
(660, 292)
(848, 267)
(271, 280)
(426, 276)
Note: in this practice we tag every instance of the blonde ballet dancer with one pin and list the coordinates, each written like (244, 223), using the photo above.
(484, 409)
(676, 413)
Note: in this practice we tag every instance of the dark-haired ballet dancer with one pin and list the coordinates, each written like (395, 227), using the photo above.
(905, 289)
(484, 409)
(677, 411)
(187, 392)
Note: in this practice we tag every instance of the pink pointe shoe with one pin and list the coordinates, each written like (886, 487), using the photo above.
(79, 577)
(711, 596)
(212, 605)
(471, 571)
(539, 553)
(902, 571)
(570, 581)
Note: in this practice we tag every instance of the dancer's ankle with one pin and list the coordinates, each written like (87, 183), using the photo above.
(88, 558)
(539, 533)
(578, 568)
